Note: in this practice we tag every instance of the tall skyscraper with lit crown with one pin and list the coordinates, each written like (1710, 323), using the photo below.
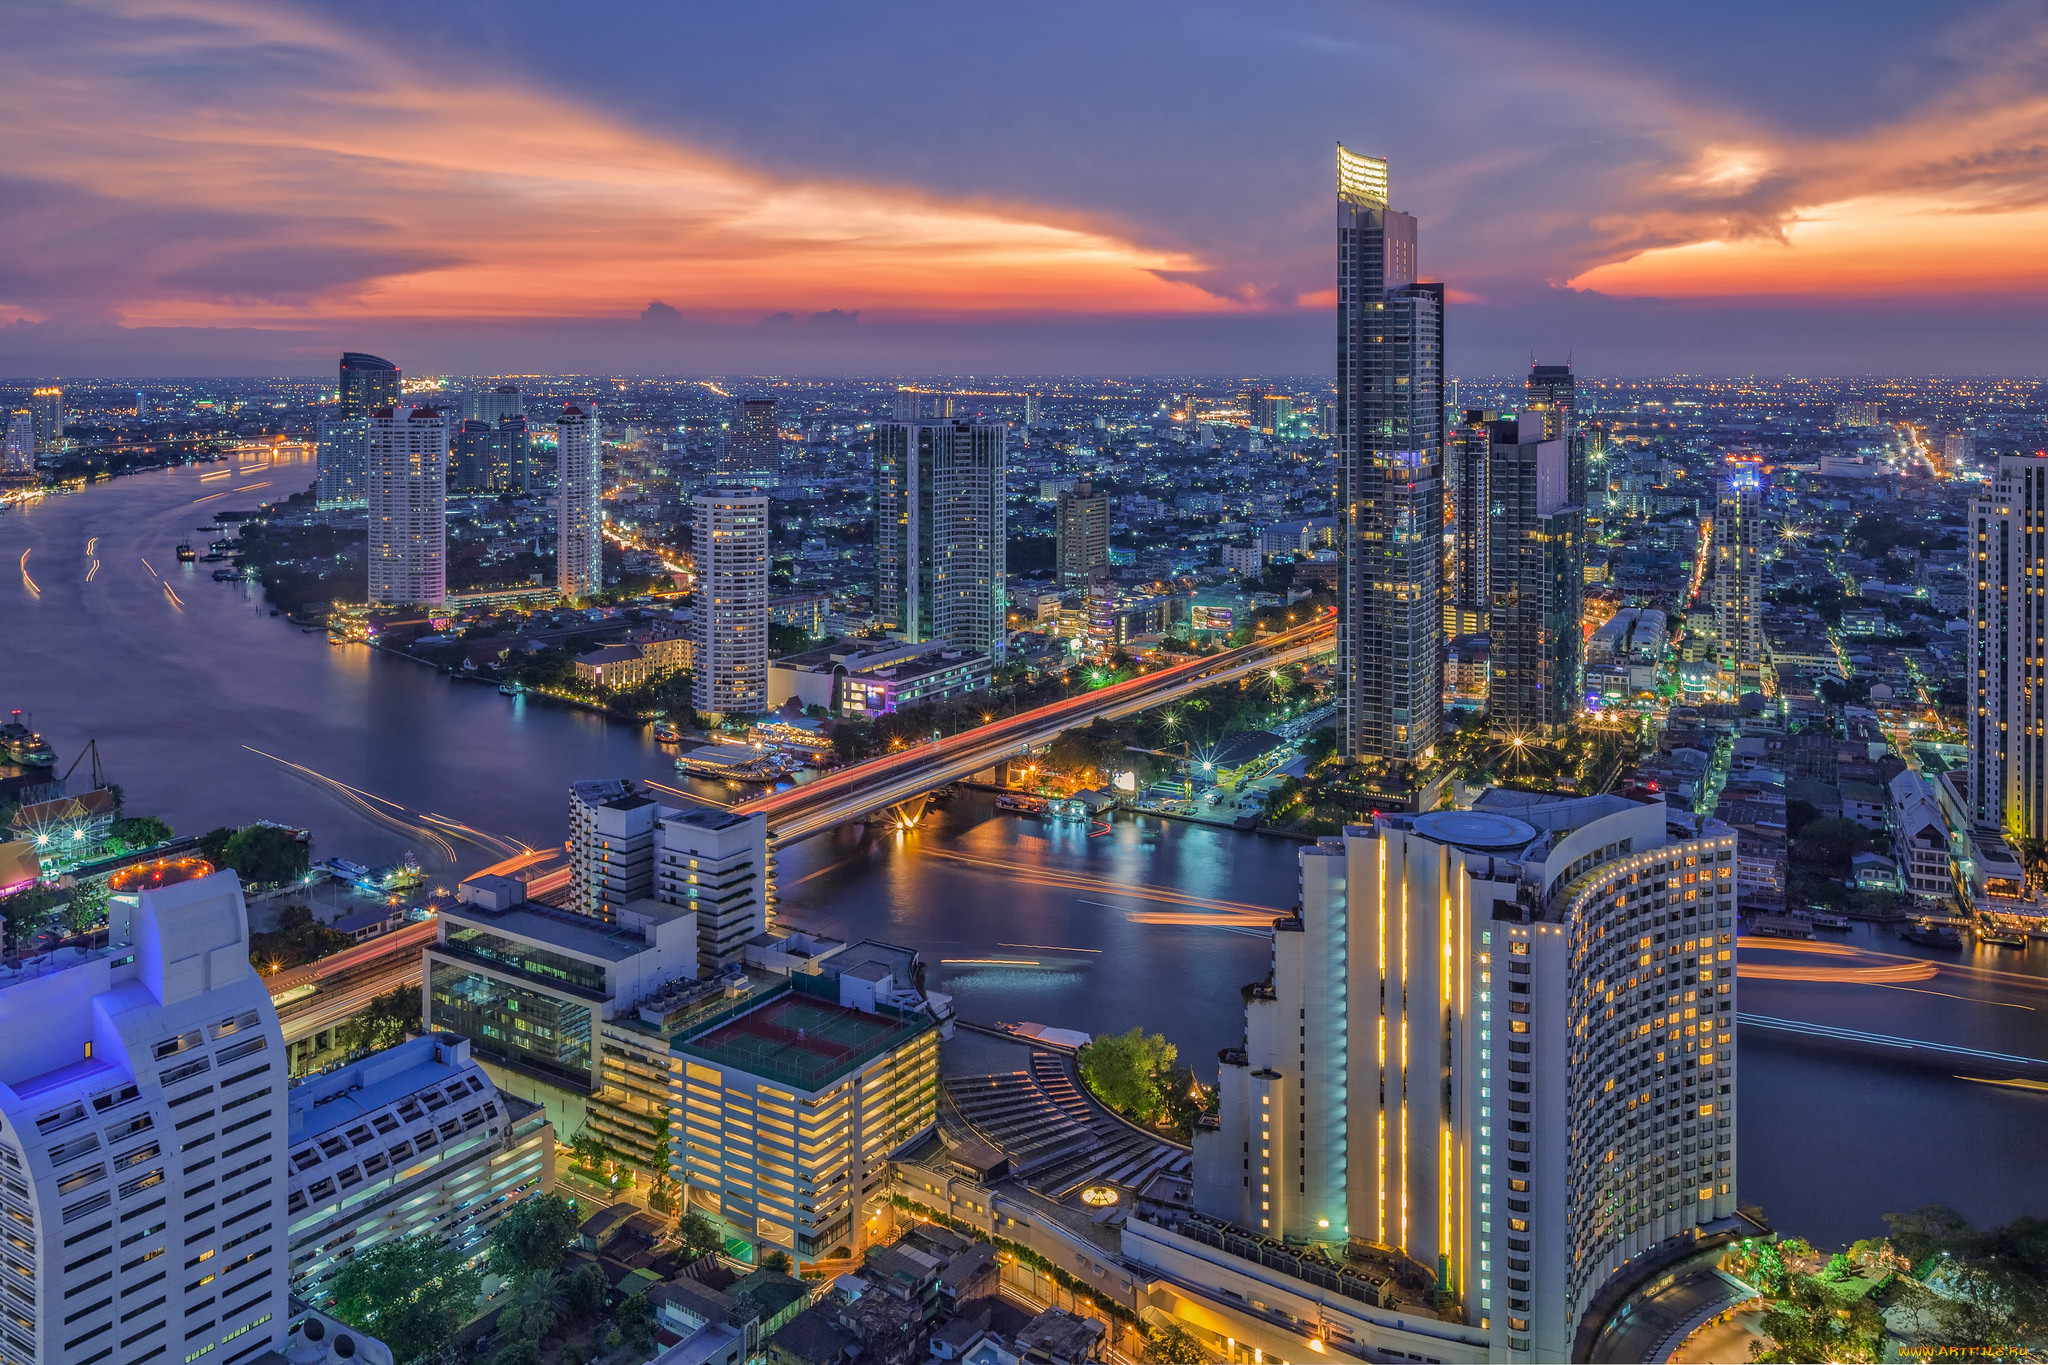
(940, 530)
(2007, 669)
(1390, 439)
(1738, 571)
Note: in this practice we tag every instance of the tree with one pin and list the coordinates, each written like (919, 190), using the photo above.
(266, 853)
(700, 1236)
(1812, 1322)
(87, 908)
(534, 1234)
(386, 1021)
(636, 1319)
(412, 1294)
(1125, 1071)
(1981, 1293)
(142, 831)
(777, 1261)
(1173, 1344)
(588, 1289)
(213, 845)
(1830, 842)
(542, 1303)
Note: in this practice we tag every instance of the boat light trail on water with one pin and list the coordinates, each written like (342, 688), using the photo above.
(1220, 911)
(1892, 970)
(418, 824)
(26, 581)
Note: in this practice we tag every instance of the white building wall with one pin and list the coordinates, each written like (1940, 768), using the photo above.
(579, 505)
(408, 499)
(731, 546)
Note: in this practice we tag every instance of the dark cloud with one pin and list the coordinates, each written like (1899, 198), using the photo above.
(659, 314)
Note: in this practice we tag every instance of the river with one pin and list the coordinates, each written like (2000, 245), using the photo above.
(188, 684)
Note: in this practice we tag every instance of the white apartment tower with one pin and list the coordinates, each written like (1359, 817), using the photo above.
(1738, 571)
(715, 861)
(142, 1142)
(1497, 1045)
(19, 451)
(407, 488)
(731, 546)
(2008, 773)
(579, 506)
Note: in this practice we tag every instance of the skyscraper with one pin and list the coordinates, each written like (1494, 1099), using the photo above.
(495, 405)
(940, 522)
(1738, 573)
(47, 403)
(2008, 702)
(342, 454)
(20, 442)
(469, 462)
(579, 508)
(1390, 416)
(142, 1089)
(1081, 534)
(731, 545)
(511, 455)
(408, 496)
(753, 454)
(1553, 392)
(1535, 581)
(368, 382)
(1471, 456)
(1497, 1044)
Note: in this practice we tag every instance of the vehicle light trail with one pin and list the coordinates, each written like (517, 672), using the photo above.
(26, 581)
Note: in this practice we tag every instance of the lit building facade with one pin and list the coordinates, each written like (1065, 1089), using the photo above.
(1390, 418)
(342, 456)
(142, 1145)
(19, 455)
(579, 504)
(1553, 392)
(753, 455)
(1497, 1045)
(1738, 569)
(1535, 582)
(786, 1114)
(1471, 454)
(46, 402)
(413, 1139)
(2008, 606)
(1081, 534)
(731, 547)
(940, 526)
(407, 490)
(368, 382)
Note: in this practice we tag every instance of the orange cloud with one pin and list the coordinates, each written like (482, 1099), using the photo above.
(431, 196)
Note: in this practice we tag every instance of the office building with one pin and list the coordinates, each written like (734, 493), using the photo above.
(864, 679)
(2008, 610)
(788, 1112)
(496, 404)
(407, 488)
(342, 457)
(731, 544)
(1495, 1056)
(612, 837)
(530, 985)
(142, 1090)
(1082, 535)
(1470, 462)
(47, 403)
(753, 452)
(1269, 411)
(511, 456)
(1390, 437)
(579, 504)
(1738, 571)
(1535, 581)
(940, 523)
(408, 1140)
(1553, 391)
(1030, 411)
(715, 862)
(469, 461)
(368, 383)
(19, 452)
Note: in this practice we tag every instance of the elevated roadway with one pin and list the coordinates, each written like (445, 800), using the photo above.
(880, 783)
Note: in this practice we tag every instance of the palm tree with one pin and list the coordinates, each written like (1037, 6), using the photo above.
(543, 1301)
(2034, 853)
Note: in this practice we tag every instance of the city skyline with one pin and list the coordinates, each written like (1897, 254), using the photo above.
(1694, 201)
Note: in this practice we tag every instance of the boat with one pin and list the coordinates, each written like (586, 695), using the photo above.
(1992, 934)
(23, 745)
(1779, 926)
(1020, 803)
(734, 762)
(1929, 933)
(664, 733)
(508, 689)
(186, 554)
(1828, 919)
(226, 575)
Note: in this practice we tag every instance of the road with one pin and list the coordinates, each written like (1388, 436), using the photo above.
(864, 788)
(349, 991)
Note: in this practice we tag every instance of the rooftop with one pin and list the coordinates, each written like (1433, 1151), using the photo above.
(382, 1079)
(800, 1040)
(540, 924)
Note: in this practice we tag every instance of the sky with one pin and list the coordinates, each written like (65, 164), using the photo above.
(195, 188)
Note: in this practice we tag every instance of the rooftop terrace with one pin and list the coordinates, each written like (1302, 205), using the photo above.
(801, 1041)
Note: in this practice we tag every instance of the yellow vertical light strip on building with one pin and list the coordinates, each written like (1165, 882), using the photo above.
(1404, 1173)
(1443, 1201)
(1380, 1190)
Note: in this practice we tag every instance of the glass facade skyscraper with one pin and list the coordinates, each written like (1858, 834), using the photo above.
(1390, 437)
(940, 518)
(368, 382)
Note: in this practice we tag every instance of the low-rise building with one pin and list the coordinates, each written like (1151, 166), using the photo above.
(415, 1138)
(1920, 840)
(858, 679)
